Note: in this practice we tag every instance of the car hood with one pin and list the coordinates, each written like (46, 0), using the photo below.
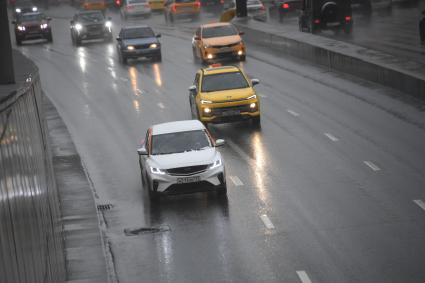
(139, 41)
(224, 40)
(226, 95)
(191, 158)
(31, 23)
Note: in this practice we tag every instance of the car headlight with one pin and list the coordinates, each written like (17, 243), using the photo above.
(108, 24)
(254, 96)
(157, 171)
(206, 46)
(207, 110)
(205, 101)
(153, 45)
(21, 28)
(18, 10)
(130, 47)
(78, 27)
(34, 9)
(43, 26)
(253, 105)
(216, 164)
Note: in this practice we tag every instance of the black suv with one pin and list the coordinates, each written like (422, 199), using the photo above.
(90, 25)
(138, 41)
(32, 26)
(24, 6)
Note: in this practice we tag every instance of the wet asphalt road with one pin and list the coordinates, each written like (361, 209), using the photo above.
(329, 190)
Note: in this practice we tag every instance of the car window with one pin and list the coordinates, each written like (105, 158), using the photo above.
(137, 33)
(219, 31)
(224, 81)
(90, 17)
(184, 1)
(31, 17)
(180, 142)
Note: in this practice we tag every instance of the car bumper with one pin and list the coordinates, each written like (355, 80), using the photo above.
(222, 53)
(229, 113)
(209, 180)
(149, 52)
(34, 34)
(138, 12)
(103, 34)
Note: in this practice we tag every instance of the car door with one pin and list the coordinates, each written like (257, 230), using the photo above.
(145, 145)
(196, 41)
(192, 96)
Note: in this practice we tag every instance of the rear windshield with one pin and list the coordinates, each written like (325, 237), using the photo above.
(218, 31)
(31, 17)
(180, 142)
(90, 17)
(136, 1)
(224, 81)
(137, 33)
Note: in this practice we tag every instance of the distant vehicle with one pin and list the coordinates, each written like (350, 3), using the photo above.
(33, 25)
(218, 41)
(90, 25)
(256, 9)
(138, 41)
(24, 6)
(224, 94)
(216, 5)
(285, 8)
(181, 157)
(181, 9)
(131, 8)
(156, 5)
(325, 14)
(100, 5)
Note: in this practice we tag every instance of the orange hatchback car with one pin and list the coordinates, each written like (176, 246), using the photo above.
(181, 9)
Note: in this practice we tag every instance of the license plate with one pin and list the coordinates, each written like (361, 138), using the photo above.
(231, 113)
(186, 9)
(225, 49)
(186, 180)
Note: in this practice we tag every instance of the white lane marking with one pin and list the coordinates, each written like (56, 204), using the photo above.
(420, 203)
(267, 222)
(372, 166)
(236, 181)
(292, 112)
(263, 96)
(331, 137)
(160, 105)
(303, 276)
(139, 91)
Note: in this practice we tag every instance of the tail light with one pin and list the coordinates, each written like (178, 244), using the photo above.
(118, 2)
(347, 18)
(263, 8)
(221, 1)
(198, 4)
(317, 21)
(173, 8)
(285, 6)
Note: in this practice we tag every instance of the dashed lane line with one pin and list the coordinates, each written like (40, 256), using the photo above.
(161, 105)
(372, 166)
(420, 203)
(236, 181)
(303, 276)
(293, 113)
(331, 137)
(267, 222)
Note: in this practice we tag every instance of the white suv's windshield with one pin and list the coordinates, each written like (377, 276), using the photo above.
(224, 81)
(180, 142)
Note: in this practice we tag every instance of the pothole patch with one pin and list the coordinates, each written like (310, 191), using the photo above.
(146, 230)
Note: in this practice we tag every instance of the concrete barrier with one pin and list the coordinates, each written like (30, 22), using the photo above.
(31, 242)
(400, 74)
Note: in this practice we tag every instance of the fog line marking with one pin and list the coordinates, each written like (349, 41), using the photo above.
(160, 105)
(420, 203)
(267, 222)
(139, 91)
(372, 166)
(303, 276)
(236, 181)
(293, 113)
(263, 96)
(331, 137)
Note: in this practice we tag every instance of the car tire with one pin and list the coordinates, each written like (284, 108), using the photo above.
(49, 37)
(222, 191)
(158, 58)
(242, 58)
(18, 41)
(195, 56)
(153, 196)
(256, 122)
(77, 41)
(123, 60)
(171, 16)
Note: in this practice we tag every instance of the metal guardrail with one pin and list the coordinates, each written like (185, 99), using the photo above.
(31, 243)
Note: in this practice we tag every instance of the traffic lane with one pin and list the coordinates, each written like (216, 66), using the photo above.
(183, 87)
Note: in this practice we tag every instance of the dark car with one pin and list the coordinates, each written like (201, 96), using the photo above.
(138, 41)
(285, 8)
(24, 6)
(90, 25)
(32, 26)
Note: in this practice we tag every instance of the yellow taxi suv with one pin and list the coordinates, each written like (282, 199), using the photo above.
(223, 94)
(156, 5)
(217, 41)
(94, 5)
(181, 9)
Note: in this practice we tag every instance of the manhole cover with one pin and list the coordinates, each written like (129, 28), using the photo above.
(103, 207)
(145, 230)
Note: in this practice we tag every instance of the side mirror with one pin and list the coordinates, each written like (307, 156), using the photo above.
(219, 142)
(255, 82)
(142, 151)
(158, 35)
(196, 38)
(118, 39)
(14, 22)
(192, 88)
(241, 33)
(48, 19)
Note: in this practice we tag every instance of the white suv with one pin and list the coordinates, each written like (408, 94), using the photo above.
(181, 157)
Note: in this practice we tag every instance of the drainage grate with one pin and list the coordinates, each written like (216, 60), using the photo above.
(103, 207)
(145, 230)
